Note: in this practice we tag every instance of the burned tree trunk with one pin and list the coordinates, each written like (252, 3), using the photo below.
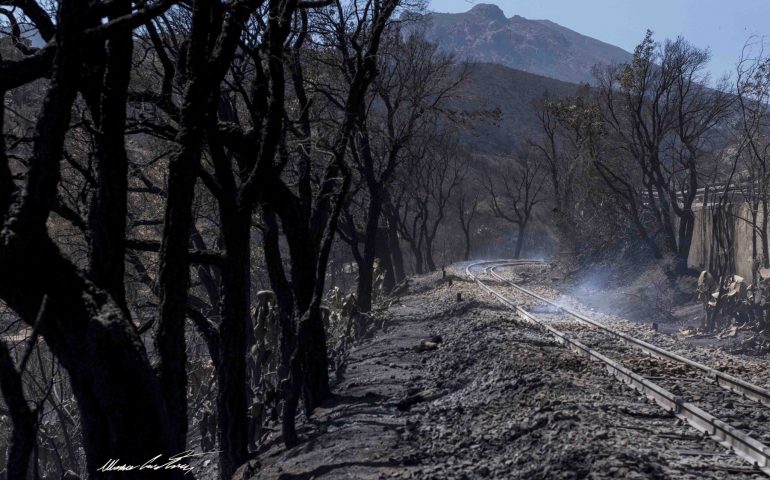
(110, 373)
(465, 215)
(686, 229)
(383, 254)
(429, 256)
(394, 246)
(513, 199)
(723, 260)
(108, 212)
(282, 289)
(764, 232)
(231, 367)
(174, 270)
(364, 293)
(419, 263)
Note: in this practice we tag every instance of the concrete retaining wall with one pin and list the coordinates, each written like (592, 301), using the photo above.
(701, 242)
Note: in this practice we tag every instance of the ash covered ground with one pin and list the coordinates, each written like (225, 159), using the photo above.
(460, 389)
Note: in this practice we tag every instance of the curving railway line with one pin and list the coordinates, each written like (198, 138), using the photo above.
(727, 409)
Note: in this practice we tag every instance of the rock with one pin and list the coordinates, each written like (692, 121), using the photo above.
(425, 346)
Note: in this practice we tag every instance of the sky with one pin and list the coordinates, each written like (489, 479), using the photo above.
(722, 26)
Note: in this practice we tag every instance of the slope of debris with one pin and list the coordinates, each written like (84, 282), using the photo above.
(454, 388)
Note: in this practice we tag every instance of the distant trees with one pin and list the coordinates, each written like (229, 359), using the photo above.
(414, 84)
(637, 147)
(435, 171)
(753, 131)
(570, 139)
(661, 115)
(514, 194)
(309, 217)
(654, 143)
(467, 206)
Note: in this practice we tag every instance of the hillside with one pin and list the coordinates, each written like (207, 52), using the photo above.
(484, 34)
(512, 92)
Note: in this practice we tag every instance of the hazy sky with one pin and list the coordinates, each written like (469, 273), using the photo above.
(723, 26)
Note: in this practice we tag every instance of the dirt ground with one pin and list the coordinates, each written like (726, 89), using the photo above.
(486, 397)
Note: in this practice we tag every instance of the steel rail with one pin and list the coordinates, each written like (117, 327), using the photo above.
(724, 380)
(744, 445)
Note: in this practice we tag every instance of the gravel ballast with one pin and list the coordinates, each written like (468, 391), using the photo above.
(454, 389)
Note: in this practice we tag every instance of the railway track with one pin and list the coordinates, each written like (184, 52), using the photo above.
(725, 408)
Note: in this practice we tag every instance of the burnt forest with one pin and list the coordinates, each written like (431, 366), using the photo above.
(369, 239)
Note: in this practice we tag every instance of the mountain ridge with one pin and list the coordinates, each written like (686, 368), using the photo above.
(484, 34)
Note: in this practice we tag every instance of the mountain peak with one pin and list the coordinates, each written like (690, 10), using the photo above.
(488, 10)
(537, 46)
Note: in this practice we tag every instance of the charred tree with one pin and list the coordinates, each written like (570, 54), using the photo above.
(466, 212)
(660, 113)
(513, 196)
(84, 327)
(413, 84)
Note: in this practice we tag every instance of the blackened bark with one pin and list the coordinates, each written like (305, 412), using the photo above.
(210, 332)
(85, 329)
(6, 177)
(309, 245)
(235, 326)
(39, 17)
(282, 289)
(754, 251)
(309, 359)
(431, 264)
(174, 280)
(43, 177)
(364, 294)
(386, 261)
(419, 264)
(118, 394)
(311, 348)
(308, 369)
(465, 217)
(394, 246)
(764, 234)
(323, 226)
(209, 276)
(108, 212)
(309, 241)
(231, 370)
(686, 229)
(174, 271)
